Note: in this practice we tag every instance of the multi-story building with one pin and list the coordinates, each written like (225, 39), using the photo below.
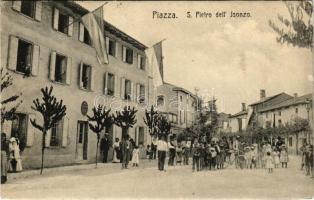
(44, 44)
(178, 104)
(223, 123)
(286, 112)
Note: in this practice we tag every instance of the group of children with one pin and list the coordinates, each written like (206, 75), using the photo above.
(209, 156)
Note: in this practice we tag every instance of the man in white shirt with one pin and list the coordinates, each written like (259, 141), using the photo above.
(162, 148)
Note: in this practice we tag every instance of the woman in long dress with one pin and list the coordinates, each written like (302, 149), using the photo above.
(15, 158)
(116, 150)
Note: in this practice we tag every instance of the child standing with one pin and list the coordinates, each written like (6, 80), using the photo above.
(276, 158)
(284, 159)
(135, 156)
(269, 162)
(248, 157)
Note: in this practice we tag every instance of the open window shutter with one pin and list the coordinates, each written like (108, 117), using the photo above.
(38, 10)
(106, 83)
(14, 42)
(81, 34)
(65, 132)
(17, 5)
(70, 31)
(116, 86)
(69, 69)
(122, 87)
(52, 65)
(55, 18)
(35, 63)
(30, 130)
(138, 61)
(132, 91)
(117, 48)
(107, 44)
(47, 139)
(123, 53)
(6, 128)
(137, 92)
(81, 74)
(92, 74)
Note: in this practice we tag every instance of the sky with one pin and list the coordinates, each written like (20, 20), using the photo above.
(229, 58)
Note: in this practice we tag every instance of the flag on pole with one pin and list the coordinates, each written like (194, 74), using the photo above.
(154, 56)
(94, 24)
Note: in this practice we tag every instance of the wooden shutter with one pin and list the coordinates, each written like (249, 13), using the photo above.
(106, 83)
(47, 139)
(132, 91)
(92, 74)
(122, 88)
(38, 10)
(52, 65)
(12, 60)
(136, 135)
(138, 92)
(81, 74)
(65, 131)
(107, 44)
(55, 18)
(116, 49)
(16, 5)
(139, 61)
(69, 70)
(145, 134)
(123, 53)
(6, 128)
(30, 130)
(70, 30)
(116, 86)
(81, 33)
(35, 61)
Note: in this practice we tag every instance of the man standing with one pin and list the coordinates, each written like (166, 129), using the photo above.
(162, 148)
(172, 152)
(125, 149)
(104, 147)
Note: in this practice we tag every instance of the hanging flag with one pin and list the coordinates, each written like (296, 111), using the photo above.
(94, 23)
(154, 56)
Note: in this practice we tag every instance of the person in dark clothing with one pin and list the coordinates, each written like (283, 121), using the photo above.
(196, 152)
(125, 149)
(4, 158)
(154, 151)
(104, 147)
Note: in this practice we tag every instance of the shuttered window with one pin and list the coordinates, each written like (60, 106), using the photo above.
(60, 68)
(23, 56)
(109, 84)
(62, 22)
(128, 90)
(127, 55)
(31, 9)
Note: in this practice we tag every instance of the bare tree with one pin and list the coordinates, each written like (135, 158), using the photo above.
(52, 112)
(125, 119)
(100, 119)
(10, 104)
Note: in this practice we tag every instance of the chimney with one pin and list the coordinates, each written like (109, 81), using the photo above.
(243, 107)
(263, 94)
(295, 95)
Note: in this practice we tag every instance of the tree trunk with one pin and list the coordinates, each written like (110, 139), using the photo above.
(97, 150)
(42, 152)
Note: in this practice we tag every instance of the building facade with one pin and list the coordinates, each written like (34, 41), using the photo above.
(178, 105)
(44, 44)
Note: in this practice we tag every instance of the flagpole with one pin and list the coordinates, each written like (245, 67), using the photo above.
(83, 15)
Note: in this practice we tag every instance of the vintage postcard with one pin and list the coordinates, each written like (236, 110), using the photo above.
(157, 99)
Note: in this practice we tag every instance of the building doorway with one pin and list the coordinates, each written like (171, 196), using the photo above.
(82, 140)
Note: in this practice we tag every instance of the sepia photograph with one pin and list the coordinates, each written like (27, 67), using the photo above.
(156, 99)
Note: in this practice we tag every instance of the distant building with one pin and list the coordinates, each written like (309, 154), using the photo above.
(238, 121)
(178, 105)
(224, 123)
